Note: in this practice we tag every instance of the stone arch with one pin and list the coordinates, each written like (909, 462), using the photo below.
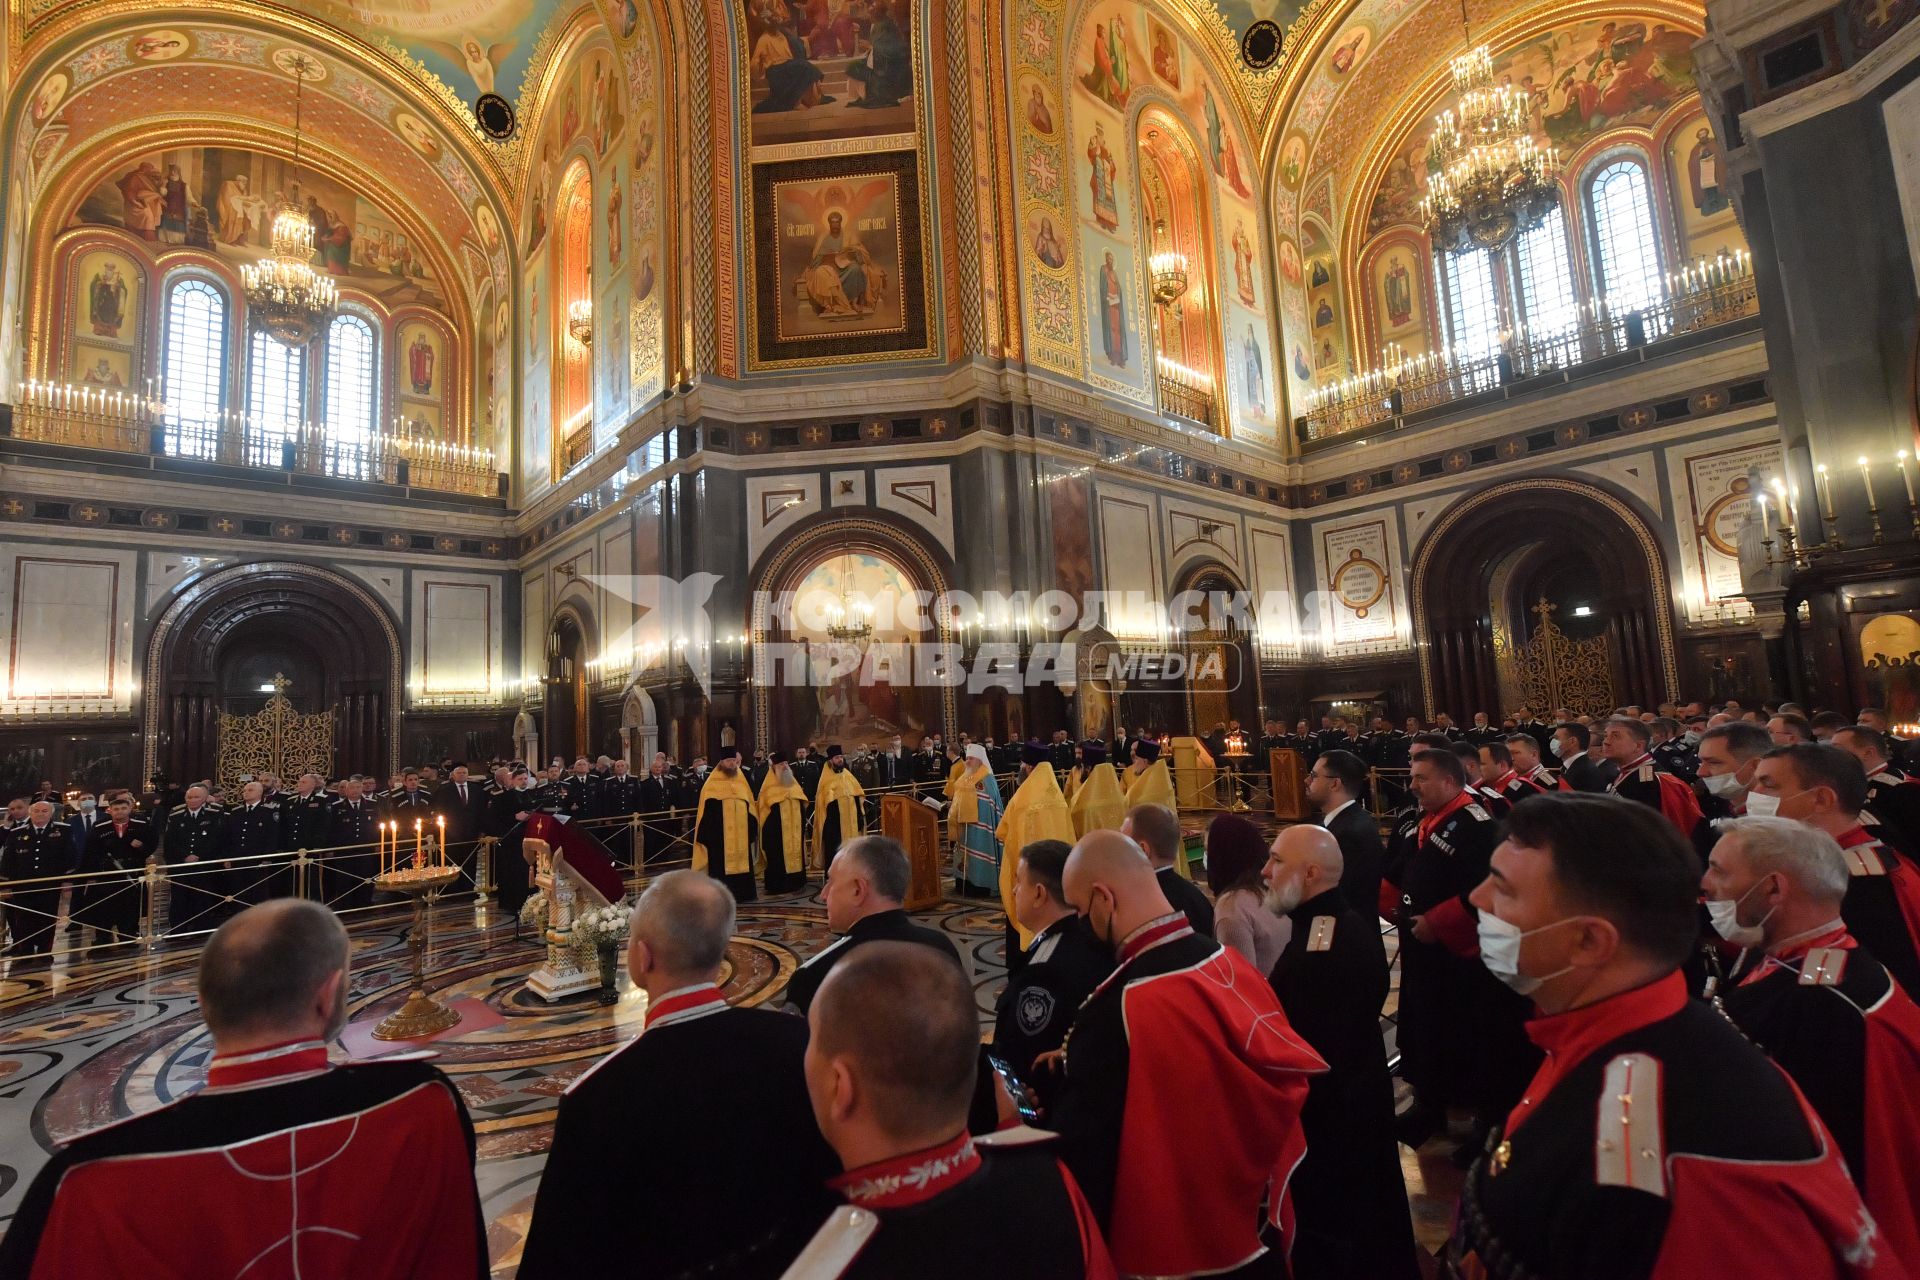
(352, 638)
(1471, 582)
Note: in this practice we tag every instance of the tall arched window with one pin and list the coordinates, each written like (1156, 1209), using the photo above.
(572, 287)
(276, 397)
(352, 409)
(1626, 249)
(1548, 302)
(1473, 310)
(194, 366)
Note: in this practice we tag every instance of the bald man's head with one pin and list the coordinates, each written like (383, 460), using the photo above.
(1304, 862)
(682, 923)
(279, 968)
(1110, 881)
(895, 1040)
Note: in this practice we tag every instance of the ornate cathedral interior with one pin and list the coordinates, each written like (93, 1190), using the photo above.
(389, 385)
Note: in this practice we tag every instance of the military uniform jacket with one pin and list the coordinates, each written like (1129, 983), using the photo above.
(1882, 906)
(1000, 1205)
(1064, 964)
(1640, 780)
(199, 835)
(1894, 799)
(1657, 1144)
(579, 795)
(351, 822)
(1447, 863)
(404, 806)
(252, 829)
(1830, 1015)
(882, 926)
(1675, 758)
(620, 796)
(31, 853)
(110, 850)
(655, 795)
(1392, 750)
(306, 822)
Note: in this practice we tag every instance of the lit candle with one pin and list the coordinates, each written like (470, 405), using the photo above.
(418, 853)
(1761, 497)
(1826, 492)
(1907, 478)
(1787, 516)
(440, 822)
(1866, 478)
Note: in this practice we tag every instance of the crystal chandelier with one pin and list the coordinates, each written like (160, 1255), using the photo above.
(1168, 269)
(285, 295)
(851, 620)
(1487, 180)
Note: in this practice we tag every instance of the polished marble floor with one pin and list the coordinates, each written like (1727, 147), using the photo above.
(85, 1041)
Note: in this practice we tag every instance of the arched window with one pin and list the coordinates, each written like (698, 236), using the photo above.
(194, 365)
(572, 288)
(1473, 309)
(1626, 250)
(276, 397)
(352, 408)
(1548, 302)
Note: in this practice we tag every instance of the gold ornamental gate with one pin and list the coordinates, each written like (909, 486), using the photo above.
(1551, 670)
(276, 739)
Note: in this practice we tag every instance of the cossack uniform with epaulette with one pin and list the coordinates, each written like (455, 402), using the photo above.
(195, 835)
(1626, 1158)
(35, 853)
(1882, 906)
(1642, 780)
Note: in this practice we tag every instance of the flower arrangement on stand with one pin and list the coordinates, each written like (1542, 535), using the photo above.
(601, 933)
(534, 910)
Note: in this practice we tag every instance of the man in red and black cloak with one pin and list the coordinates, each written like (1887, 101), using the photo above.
(1183, 1084)
(1655, 1142)
(1826, 788)
(283, 1165)
(1822, 1007)
(1628, 743)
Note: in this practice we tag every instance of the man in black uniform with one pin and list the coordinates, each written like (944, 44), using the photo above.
(1670, 750)
(740, 1130)
(1350, 1197)
(580, 791)
(1156, 829)
(1892, 797)
(121, 843)
(352, 832)
(306, 817)
(253, 828)
(1481, 731)
(866, 883)
(1337, 788)
(195, 838)
(620, 799)
(656, 796)
(1460, 1032)
(890, 1070)
(411, 803)
(1653, 1131)
(1571, 740)
(806, 772)
(38, 848)
(1064, 964)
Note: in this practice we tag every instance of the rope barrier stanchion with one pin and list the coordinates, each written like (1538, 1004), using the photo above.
(484, 887)
(153, 883)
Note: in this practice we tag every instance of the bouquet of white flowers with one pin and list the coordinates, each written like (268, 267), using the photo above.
(533, 911)
(602, 926)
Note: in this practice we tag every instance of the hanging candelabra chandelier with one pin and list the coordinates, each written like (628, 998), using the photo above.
(850, 621)
(285, 295)
(1488, 181)
(1167, 268)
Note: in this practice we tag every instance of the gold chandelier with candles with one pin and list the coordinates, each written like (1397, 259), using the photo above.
(1168, 268)
(285, 295)
(1488, 181)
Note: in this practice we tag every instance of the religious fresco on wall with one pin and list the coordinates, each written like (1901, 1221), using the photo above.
(1398, 300)
(1580, 81)
(1251, 385)
(852, 709)
(223, 200)
(830, 71)
(1702, 198)
(108, 302)
(1325, 327)
(1037, 102)
(838, 258)
(1350, 49)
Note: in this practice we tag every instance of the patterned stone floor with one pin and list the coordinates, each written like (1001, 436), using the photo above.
(89, 1041)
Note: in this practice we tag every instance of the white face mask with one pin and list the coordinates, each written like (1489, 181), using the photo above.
(1760, 805)
(1725, 786)
(1500, 951)
(1725, 914)
(1553, 744)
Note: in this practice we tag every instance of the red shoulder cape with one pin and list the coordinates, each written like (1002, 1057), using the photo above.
(1214, 1031)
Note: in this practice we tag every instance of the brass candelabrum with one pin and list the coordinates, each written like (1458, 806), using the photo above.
(422, 880)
